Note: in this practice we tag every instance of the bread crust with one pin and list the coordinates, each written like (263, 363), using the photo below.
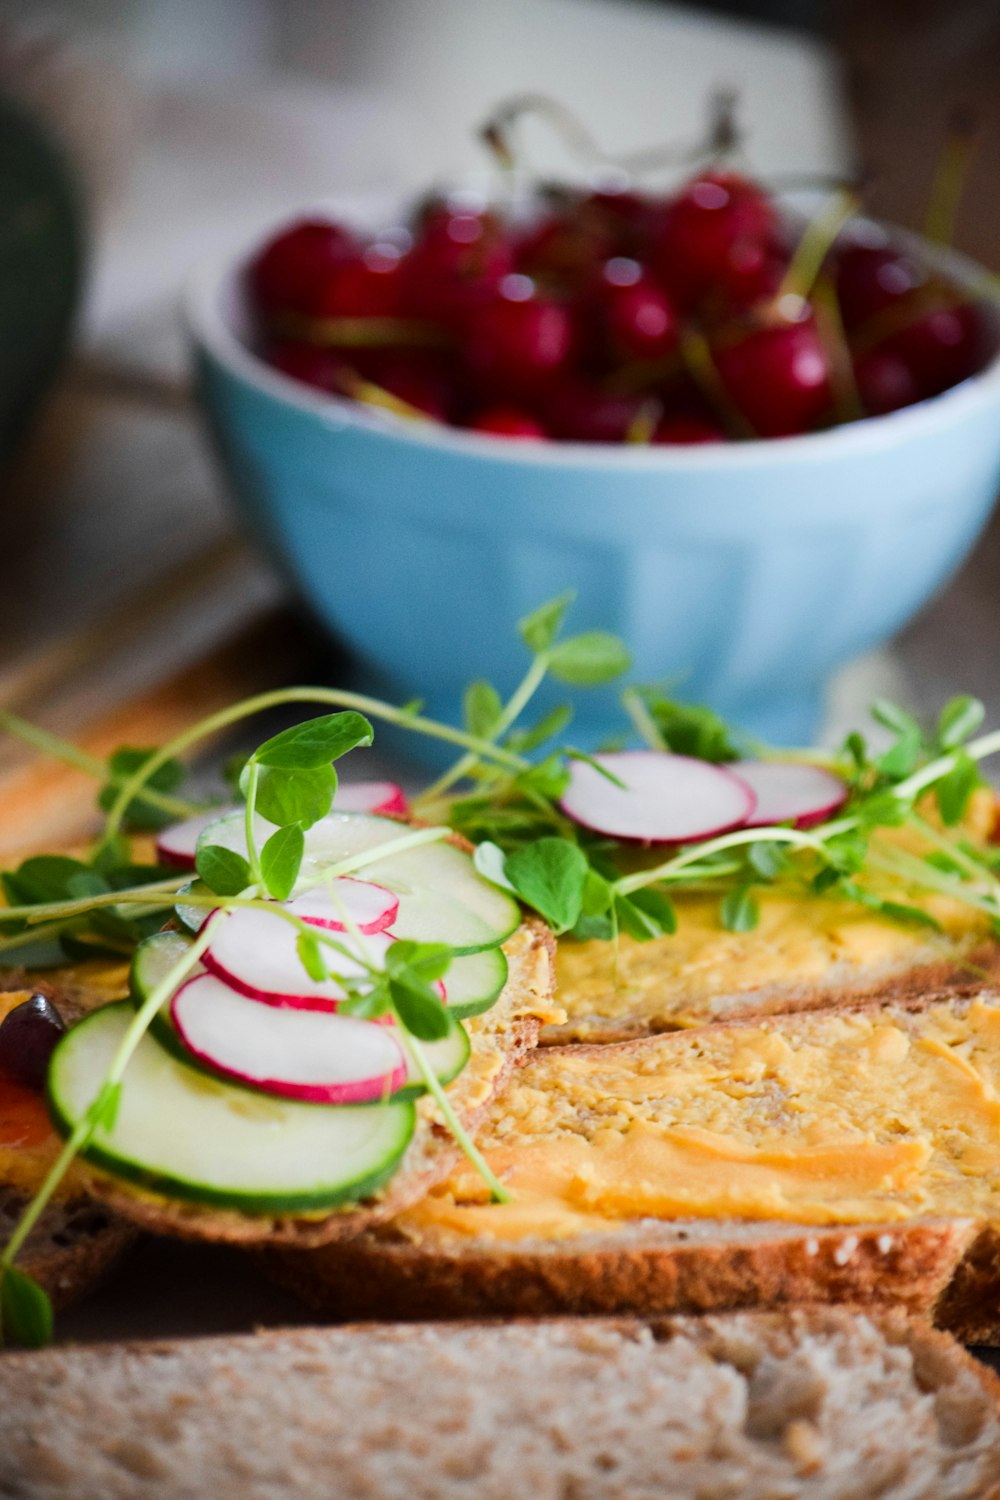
(641, 1268)
(431, 1154)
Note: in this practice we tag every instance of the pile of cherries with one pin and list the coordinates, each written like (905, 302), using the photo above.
(615, 316)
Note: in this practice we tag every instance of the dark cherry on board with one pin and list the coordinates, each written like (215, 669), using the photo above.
(28, 1036)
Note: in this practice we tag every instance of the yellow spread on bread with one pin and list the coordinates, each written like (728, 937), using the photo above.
(803, 943)
(828, 1117)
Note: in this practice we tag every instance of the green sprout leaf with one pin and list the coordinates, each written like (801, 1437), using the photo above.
(316, 742)
(488, 859)
(420, 1009)
(223, 870)
(959, 718)
(550, 875)
(310, 952)
(481, 708)
(166, 778)
(25, 1310)
(44, 877)
(892, 716)
(281, 859)
(954, 790)
(589, 660)
(739, 911)
(551, 724)
(645, 914)
(539, 629)
(768, 860)
(690, 728)
(902, 758)
(295, 796)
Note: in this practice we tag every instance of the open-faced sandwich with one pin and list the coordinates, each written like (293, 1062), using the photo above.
(321, 1048)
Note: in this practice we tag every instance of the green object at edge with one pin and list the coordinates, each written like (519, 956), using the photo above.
(41, 265)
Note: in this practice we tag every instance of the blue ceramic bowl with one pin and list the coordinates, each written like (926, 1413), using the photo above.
(743, 574)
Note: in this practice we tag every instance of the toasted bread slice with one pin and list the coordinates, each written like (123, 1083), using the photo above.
(74, 1246)
(500, 1038)
(850, 1154)
(807, 951)
(819, 1404)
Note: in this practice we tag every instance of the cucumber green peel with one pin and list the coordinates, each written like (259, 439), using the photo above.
(580, 883)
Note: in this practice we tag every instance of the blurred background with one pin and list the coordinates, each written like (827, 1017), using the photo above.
(132, 602)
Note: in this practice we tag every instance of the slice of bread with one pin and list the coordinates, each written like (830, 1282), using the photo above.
(843, 1155)
(819, 1404)
(74, 1246)
(806, 951)
(500, 1038)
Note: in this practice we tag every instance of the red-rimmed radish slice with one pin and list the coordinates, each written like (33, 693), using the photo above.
(254, 951)
(791, 792)
(382, 797)
(296, 1054)
(372, 908)
(178, 844)
(663, 799)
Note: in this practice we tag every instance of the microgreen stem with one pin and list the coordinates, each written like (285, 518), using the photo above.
(329, 697)
(253, 855)
(88, 1123)
(83, 904)
(642, 719)
(72, 755)
(471, 1151)
(953, 849)
(515, 706)
(980, 749)
(899, 862)
(635, 882)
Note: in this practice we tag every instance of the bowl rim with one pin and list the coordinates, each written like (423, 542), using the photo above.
(209, 332)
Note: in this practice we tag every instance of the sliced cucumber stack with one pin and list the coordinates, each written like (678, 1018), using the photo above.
(442, 897)
(190, 1136)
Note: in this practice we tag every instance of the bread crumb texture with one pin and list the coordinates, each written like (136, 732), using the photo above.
(820, 1404)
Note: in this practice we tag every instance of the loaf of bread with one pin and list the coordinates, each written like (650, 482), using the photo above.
(819, 1404)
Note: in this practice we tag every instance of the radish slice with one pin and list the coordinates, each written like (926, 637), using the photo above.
(790, 792)
(254, 951)
(178, 844)
(382, 797)
(664, 799)
(295, 1054)
(371, 907)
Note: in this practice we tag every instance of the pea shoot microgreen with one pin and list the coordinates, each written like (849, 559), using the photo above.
(503, 792)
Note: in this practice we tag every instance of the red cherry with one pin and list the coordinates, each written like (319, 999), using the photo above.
(518, 340)
(455, 266)
(885, 382)
(583, 413)
(778, 377)
(364, 286)
(871, 278)
(289, 274)
(943, 346)
(508, 421)
(637, 317)
(306, 362)
(704, 227)
(563, 248)
(688, 429)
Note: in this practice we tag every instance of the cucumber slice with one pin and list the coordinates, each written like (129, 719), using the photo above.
(442, 896)
(447, 1057)
(187, 1135)
(474, 980)
(190, 916)
(151, 963)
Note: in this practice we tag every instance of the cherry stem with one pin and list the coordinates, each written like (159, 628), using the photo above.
(369, 394)
(815, 244)
(362, 333)
(830, 327)
(950, 177)
(701, 366)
